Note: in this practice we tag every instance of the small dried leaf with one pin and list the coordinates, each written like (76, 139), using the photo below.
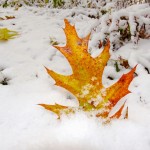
(7, 17)
(10, 17)
(124, 62)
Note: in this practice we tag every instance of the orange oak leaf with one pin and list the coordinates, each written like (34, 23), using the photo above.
(86, 80)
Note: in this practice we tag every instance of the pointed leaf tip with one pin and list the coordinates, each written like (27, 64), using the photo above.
(66, 21)
(54, 108)
(119, 112)
(108, 43)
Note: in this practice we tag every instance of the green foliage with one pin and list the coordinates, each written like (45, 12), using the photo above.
(57, 3)
(6, 34)
(5, 4)
(46, 1)
(117, 67)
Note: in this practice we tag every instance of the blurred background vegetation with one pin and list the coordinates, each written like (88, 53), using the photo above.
(69, 3)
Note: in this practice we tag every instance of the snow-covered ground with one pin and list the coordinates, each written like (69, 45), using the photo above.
(24, 125)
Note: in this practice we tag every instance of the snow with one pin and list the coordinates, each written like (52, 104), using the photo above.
(24, 125)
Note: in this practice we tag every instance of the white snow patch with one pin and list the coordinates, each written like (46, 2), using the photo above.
(24, 125)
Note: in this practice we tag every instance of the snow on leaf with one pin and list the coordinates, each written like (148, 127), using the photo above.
(86, 81)
(54, 108)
